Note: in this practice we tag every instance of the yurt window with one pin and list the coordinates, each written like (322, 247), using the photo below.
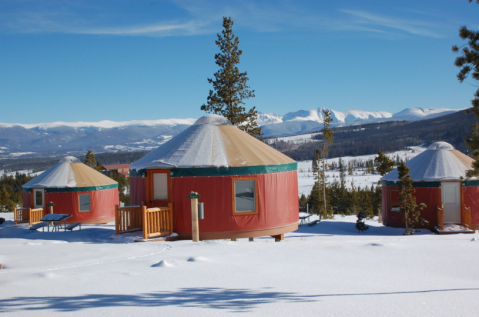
(84, 202)
(160, 186)
(394, 200)
(245, 196)
(38, 198)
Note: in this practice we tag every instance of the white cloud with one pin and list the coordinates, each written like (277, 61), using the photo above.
(204, 17)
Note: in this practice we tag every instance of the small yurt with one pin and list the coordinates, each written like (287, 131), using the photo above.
(248, 188)
(75, 189)
(439, 177)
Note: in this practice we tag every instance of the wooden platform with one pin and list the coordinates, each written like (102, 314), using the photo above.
(169, 237)
(451, 228)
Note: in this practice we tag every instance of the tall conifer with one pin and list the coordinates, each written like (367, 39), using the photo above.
(230, 87)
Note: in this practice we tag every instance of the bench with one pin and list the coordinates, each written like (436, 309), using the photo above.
(304, 219)
(40, 225)
(314, 223)
(73, 226)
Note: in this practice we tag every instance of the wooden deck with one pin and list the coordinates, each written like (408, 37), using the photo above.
(450, 228)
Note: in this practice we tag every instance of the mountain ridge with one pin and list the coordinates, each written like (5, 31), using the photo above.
(73, 138)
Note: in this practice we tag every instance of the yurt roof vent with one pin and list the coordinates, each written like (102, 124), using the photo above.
(440, 146)
(213, 119)
(70, 159)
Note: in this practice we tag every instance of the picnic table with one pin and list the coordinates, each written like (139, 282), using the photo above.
(57, 221)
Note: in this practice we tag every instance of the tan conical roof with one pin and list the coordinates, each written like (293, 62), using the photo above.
(211, 142)
(70, 172)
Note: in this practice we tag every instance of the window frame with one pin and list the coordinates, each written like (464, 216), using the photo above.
(241, 213)
(89, 195)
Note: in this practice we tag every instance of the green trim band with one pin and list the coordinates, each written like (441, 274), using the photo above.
(224, 171)
(470, 183)
(71, 189)
(414, 184)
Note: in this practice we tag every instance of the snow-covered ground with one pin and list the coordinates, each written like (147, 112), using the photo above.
(326, 270)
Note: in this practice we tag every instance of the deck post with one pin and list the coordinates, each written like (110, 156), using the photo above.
(117, 219)
(195, 232)
(145, 223)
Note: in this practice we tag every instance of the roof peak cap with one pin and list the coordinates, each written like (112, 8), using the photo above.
(213, 119)
(440, 146)
(70, 159)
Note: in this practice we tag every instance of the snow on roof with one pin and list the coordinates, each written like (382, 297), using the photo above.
(211, 142)
(69, 172)
(439, 162)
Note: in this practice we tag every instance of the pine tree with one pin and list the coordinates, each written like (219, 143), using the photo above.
(407, 201)
(385, 165)
(360, 225)
(342, 174)
(229, 85)
(91, 161)
(328, 139)
(468, 62)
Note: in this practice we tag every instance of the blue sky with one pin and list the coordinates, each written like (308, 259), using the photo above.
(135, 60)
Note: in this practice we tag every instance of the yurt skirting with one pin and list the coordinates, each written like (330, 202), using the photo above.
(248, 188)
(439, 178)
(75, 189)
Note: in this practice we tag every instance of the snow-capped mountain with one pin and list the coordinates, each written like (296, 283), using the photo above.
(305, 121)
(59, 138)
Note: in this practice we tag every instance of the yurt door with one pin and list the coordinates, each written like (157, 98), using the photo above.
(160, 189)
(451, 198)
(38, 197)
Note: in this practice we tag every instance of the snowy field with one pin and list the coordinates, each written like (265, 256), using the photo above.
(325, 270)
(359, 177)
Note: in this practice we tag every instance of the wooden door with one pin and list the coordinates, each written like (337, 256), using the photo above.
(159, 188)
(451, 198)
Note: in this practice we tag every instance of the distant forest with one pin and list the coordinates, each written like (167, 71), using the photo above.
(386, 137)
(41, 164)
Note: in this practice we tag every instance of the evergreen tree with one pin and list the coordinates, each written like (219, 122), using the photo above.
(230, 85)
(328, 139)
(407, 201)
(472, 142)
(468, 62)
(360, 225)
(123, 187)
(385, 165)
(91, 161)
(365, 204)
(342, 174)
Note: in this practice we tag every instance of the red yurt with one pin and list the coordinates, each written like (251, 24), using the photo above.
(75, 189)
(248, 188)
(440, 181)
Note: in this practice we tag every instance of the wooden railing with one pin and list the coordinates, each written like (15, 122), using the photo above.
(128, 219)
(32, 216)
(440, 217)
(36, 215)
(21, 215)
(157, 221)
(466, 217)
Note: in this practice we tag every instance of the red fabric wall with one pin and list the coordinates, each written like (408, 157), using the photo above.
(137, 190)
(277, 202)
(471, 199)
(102, 204)
(430, 196)
(27, 198)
